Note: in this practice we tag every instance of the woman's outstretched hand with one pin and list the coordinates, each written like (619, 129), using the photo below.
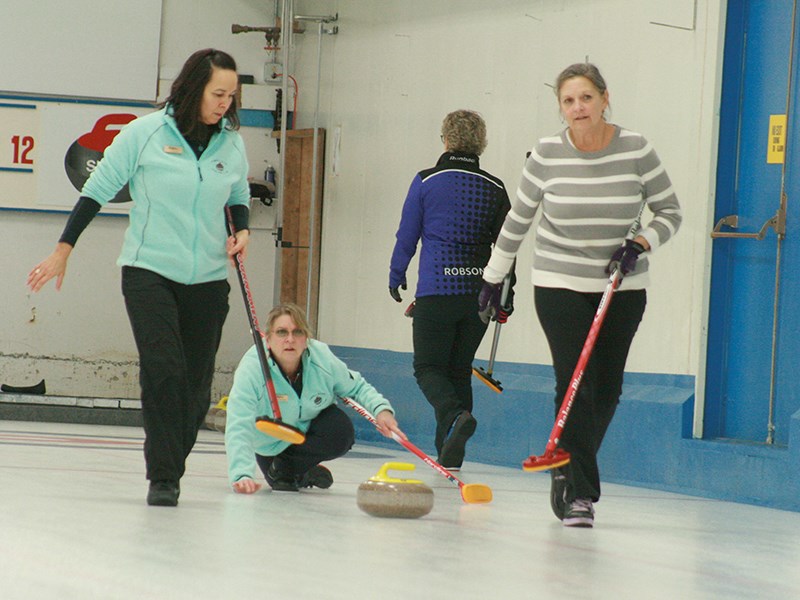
(54, 265)
(246, 486)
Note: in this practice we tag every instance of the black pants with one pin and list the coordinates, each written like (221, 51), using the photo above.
(177, 329)
(329, 436)
(447, 333)
(566, 317)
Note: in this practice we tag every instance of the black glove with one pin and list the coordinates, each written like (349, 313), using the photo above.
(624, 257)
(489, 301)
(394, 292)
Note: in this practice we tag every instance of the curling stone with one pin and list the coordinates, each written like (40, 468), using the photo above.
(220, 419)
(384, 496)
(217, 416)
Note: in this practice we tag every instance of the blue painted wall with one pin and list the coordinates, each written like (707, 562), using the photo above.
(649, 442)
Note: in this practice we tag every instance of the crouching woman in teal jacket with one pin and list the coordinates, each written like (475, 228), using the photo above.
(308, 378)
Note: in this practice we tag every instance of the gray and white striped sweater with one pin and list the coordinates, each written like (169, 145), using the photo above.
(589, 201)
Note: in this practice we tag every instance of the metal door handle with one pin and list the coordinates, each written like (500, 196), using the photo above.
(733, 221)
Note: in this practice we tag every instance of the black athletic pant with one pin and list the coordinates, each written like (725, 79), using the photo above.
(566, 317)
(177, 329)
(447, 333)
(329, 436)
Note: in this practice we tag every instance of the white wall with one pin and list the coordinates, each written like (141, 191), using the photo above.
(396, 68)
(79, 339)
(388, 78)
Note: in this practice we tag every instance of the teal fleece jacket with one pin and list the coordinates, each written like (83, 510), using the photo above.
(177, 220)
(325, 378)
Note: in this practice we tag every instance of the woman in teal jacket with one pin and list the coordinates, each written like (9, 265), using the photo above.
(184, 164)
(308, 379)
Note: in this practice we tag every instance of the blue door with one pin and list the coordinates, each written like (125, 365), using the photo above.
(753, 365)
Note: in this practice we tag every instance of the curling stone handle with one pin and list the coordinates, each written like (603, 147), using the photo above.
(382, 474)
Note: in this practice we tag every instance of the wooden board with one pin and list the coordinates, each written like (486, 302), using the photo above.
(297, 219)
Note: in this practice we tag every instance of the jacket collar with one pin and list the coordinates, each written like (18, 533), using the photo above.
(168, 112)
(453, 159)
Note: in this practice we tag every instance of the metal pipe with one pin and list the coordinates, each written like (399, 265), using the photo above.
(774, 356)
(781, 234)
(314, 164)
(275, 17)
(317, 18)
(286, 42)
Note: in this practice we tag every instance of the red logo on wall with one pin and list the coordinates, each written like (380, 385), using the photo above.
(85, 153)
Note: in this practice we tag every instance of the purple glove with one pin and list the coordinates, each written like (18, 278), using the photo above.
(489, 301)
(624, 257)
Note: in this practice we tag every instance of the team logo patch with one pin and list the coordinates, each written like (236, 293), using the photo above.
(220, 167)
(282, 397)
(318, 400)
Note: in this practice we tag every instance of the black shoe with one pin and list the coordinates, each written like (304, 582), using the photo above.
(163, 493)
(558, 488)
(280, 482)
(317, 476)
(39, 388)
(452, 454)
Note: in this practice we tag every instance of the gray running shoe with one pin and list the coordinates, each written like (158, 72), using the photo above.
(580, 513)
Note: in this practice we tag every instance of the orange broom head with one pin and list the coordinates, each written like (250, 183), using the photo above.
(487, 379)
(476, 493)
(559, 458)
(280, 430)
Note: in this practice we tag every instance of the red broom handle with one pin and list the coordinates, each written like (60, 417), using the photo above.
(405, 443)
(250, 308)
(577, 374)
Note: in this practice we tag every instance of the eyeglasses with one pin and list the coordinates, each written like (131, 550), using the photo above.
(284, 333)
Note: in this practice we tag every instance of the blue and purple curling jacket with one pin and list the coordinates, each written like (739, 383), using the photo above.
(457, 210)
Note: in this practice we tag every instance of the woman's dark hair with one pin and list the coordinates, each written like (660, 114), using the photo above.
(187, 90)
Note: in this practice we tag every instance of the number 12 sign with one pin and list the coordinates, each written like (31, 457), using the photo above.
(19, 133)
(18, 129)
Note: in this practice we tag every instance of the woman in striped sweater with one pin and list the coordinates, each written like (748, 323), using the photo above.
(589, 182)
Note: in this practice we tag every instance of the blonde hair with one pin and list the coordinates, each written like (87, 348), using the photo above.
(294, 312)
(464, 131)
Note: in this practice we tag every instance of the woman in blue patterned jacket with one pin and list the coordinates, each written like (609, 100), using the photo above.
(456, 209)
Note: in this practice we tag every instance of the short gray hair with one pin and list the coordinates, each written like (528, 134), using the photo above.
(464, 131)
